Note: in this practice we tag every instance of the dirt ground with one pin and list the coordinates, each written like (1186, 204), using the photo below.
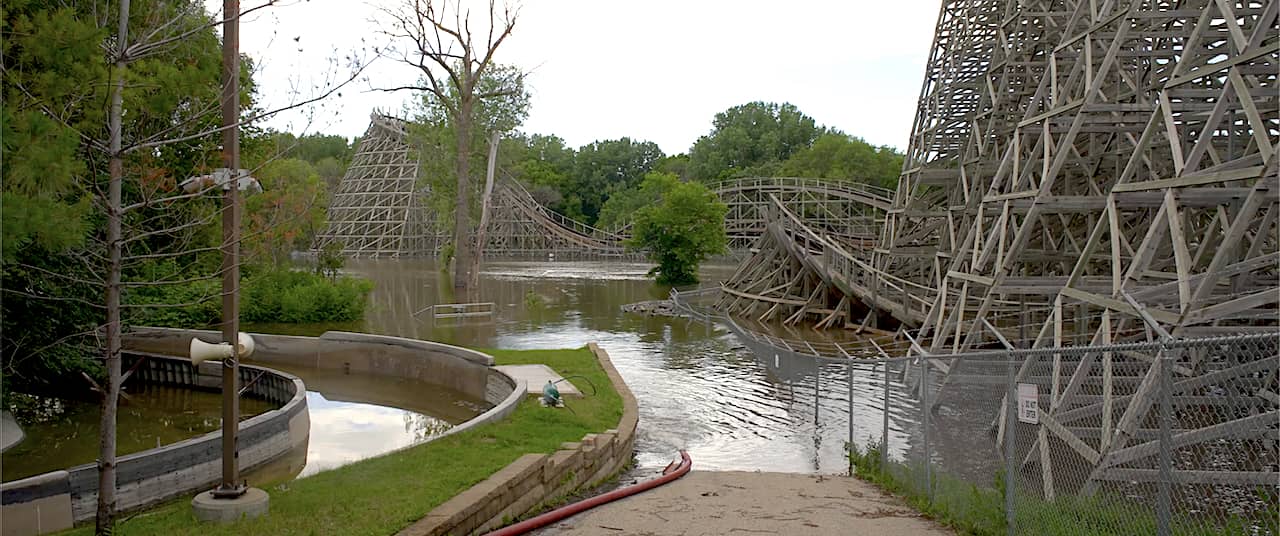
(731, 502)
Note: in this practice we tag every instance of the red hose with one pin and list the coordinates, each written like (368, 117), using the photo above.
(587, 504)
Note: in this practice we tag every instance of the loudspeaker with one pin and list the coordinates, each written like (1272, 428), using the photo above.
(202, 351)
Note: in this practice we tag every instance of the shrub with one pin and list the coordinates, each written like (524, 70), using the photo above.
(271, 295)
(303, 297)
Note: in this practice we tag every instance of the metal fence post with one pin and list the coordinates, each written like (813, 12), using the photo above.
(849, 367)
(924, 412)
(884, 433)
(1010, 464)
(817, 386)
(1163, 506)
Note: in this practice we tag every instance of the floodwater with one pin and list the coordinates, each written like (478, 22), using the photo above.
(63, 433)
(353, 416)
(698, 387)
(357, 416)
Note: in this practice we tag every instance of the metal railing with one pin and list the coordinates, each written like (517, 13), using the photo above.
(1177, 436)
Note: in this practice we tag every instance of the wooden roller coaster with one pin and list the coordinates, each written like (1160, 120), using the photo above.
(1080, 173)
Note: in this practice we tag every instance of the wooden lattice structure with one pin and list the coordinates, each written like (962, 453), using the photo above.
(1076, 166)
(1079, 172)
(380, 207)
(845, 209)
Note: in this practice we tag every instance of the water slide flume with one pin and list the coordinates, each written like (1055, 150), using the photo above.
(668, 475)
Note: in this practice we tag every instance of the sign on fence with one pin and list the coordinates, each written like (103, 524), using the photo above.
(1028, 403)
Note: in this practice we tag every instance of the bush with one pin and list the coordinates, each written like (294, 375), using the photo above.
(272, 295)
(303, 297)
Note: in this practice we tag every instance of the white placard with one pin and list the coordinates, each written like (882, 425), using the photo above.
(1028, 403)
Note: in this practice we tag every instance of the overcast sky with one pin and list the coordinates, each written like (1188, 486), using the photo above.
(657, 70)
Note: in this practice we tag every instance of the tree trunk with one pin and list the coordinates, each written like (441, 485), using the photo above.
(462, 209)
(485, 202)
(105, 522)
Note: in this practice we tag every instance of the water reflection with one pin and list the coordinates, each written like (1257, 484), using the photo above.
(357, 416)
(345, 432)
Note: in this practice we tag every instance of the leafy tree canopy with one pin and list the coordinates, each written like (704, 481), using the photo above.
(681, 230)
(55, 88)
(544, 164)
(750, 135)
(287, 214)
(313, 147)
(835, 155)
(623, 204)
(604, 167)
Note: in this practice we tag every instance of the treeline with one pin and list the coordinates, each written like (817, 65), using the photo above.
(753, 139)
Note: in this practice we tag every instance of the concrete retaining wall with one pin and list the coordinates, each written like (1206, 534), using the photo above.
(534, 479)
(458, 368)
(57, 500)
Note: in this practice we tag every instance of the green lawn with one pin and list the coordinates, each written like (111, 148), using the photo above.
(382, 495)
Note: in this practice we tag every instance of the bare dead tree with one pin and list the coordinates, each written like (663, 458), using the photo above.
(442, 46)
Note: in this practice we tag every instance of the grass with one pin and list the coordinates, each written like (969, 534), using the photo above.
(979, 511)
(384, 494)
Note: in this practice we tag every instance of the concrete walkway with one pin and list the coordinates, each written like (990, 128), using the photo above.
(710, 502)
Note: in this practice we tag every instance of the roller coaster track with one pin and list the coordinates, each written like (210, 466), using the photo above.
(382, 209)
(522, 226)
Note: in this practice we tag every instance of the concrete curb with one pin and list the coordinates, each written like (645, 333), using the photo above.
(534, 479)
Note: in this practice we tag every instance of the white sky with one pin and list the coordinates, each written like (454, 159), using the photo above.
(657, 70)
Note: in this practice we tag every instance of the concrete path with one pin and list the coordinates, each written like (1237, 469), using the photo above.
(536, 376)
(710, 502)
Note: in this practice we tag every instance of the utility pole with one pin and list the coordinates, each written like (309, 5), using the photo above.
(232, 499)
(230, 487)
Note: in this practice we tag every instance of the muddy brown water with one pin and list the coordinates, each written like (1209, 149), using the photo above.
(698, 387)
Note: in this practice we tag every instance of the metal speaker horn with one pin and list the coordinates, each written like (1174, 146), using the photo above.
(202, 351)
(244, 344)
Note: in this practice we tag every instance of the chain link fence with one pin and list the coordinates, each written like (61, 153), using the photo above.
(1171, 437)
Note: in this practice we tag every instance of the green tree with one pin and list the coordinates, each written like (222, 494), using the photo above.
(622, 206)
(676, 164)
(835, 155)
(435, 135)
(287, 214)
(604, 167)
(331, 170)
(453, 66)
(544, 164)
(316, 147)
(681, 230)
(107, 106)
(749, 136)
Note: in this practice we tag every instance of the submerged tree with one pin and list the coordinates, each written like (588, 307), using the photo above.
(443, 46)
(681, 226)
